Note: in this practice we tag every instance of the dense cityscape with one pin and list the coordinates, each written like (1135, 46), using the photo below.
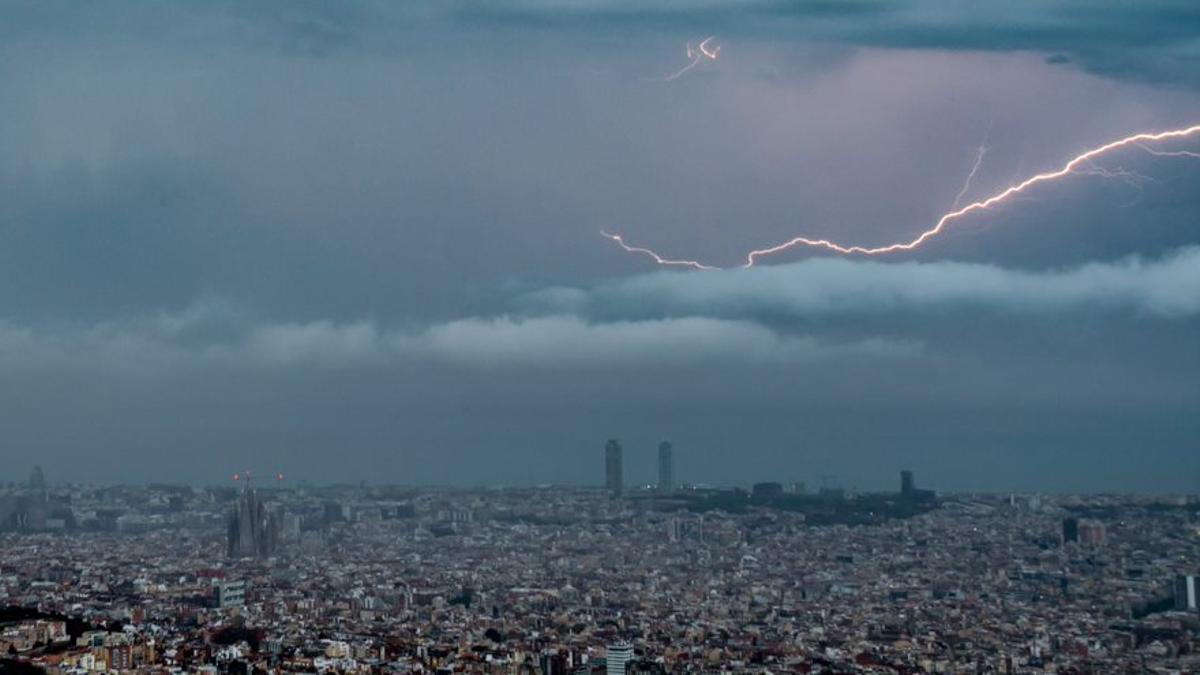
(263, 576)
(600, 337)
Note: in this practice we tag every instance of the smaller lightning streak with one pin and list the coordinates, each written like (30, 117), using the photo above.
(1133, 179)
(1170, 153)
(657, 258)
(1130, 178)
(970, 176)
(695, 56)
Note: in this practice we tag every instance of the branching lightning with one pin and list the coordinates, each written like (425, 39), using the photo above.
(1169, 153)
(966, 186)
(1133, 179)
(695, 56)
(1081, 164)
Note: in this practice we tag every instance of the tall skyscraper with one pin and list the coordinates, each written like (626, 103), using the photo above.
(666, 468)
(1185, 592)
(1070, 530)
(906, 483)
(253, 531)
(614, 478)
(617, 656)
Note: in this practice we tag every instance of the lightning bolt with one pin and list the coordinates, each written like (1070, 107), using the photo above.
(657, 258)
(1083, 160)
(695, 56)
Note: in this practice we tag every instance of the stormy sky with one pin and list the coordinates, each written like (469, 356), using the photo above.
(361, 241)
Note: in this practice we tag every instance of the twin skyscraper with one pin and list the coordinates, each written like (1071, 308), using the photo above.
(614, 473)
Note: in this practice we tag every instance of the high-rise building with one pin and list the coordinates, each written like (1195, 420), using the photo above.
(37, 479)
(1070, 530)
(674, 529)
(253, 531)
(1185, 592)
(230, 594)
(766, 491)
(910, 492)
(1092, 533)
(666, 468)
(1084, 531)
(614, 479)
(616, 657)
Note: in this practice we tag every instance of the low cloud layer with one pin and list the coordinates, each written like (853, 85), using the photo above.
(162, 345)
(1167, 288)
(660, 320)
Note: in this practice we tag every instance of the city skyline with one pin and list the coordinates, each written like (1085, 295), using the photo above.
(641, 484)
(549, 582)
(599, 337)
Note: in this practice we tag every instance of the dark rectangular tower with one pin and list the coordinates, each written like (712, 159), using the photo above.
(1070, 530)
(666, 468)
(614, 479)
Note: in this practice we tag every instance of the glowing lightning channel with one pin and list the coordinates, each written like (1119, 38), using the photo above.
(695, 56)
(657, 258)
(1083, 159)
(978, 205)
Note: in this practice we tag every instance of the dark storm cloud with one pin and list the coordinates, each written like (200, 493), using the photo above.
(86, 241)
(1153, 41)
(398, 206)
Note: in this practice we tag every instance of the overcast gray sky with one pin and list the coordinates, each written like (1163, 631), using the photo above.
(360, 241)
